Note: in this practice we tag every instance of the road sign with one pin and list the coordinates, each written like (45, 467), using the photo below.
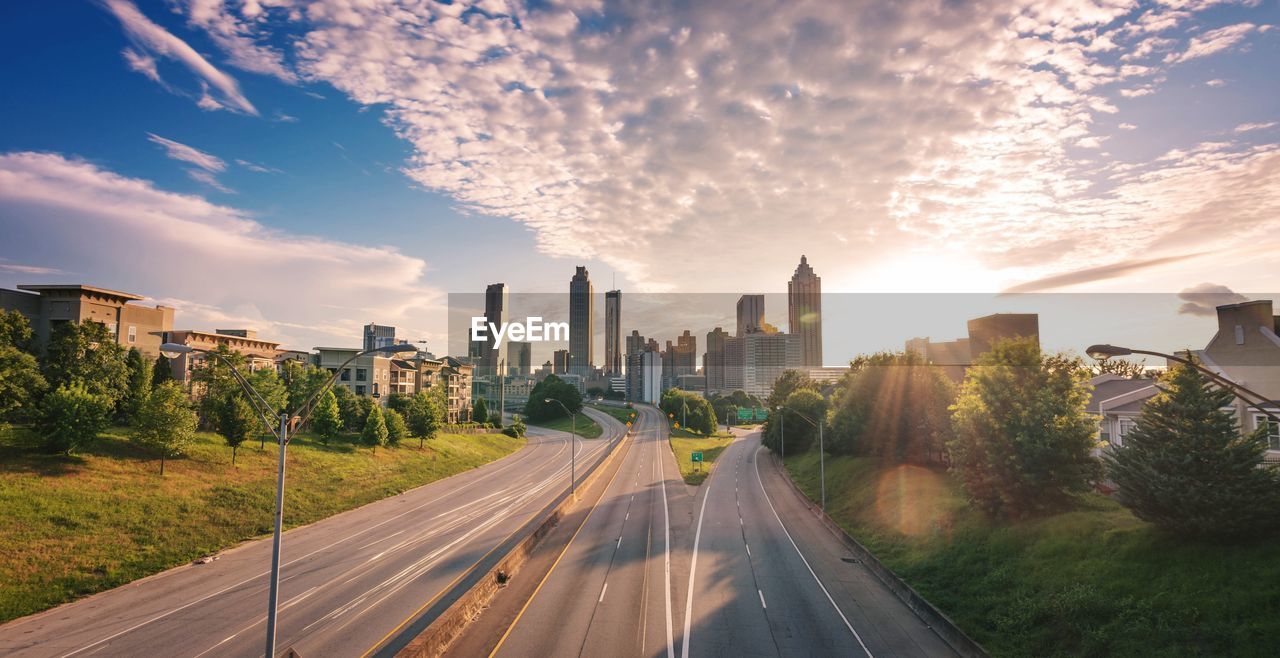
(628, 423)
(762, 414)
(696, 456)
(746, 414)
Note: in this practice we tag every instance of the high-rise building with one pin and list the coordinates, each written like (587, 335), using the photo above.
(378, 335)
(804, 312)
(581, 323)
(612, 333)
(560, 362)
(754, 361)
(750, 314)
(635, 342)
(520, 358)
(713, 361)
(491, 353)
(644, 376)
(679, 359)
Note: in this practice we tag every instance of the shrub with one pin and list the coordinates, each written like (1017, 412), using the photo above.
(72, 416)
(165, 423)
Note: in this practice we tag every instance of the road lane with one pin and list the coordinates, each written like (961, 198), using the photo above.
(346, 581)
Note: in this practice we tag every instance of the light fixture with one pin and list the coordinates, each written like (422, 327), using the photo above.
(173, 350)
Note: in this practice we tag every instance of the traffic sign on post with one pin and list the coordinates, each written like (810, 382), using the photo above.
(696, 456)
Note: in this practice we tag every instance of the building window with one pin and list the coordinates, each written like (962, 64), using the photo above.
(346, 374)
(1273, 430)
(1123, 426)
(361, 374)
(133, 334)
(1239, 335)
(359, 390)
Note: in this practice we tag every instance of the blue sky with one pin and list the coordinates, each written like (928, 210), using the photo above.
(398, 153)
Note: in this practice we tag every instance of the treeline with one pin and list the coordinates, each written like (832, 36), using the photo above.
(691, 410)
(1017, 435)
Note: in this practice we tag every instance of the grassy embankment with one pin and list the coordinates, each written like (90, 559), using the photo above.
(77, 525)
(1095, 581)
(622, 414)
(584, 427)
(684, 443)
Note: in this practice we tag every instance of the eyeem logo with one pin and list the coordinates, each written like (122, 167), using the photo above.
(533, 329)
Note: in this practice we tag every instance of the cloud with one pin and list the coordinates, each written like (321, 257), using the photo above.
(1214, 41)
(284, 118)
(1204, 299)
(1216, 82)
(201, 176)
(157, 42)
(19, 268)
(124, 233)
(257, 168)
(1246, 127)
(1093, 274)
(183, 153)
(144, 64)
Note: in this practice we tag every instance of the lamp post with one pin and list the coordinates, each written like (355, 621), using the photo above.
(282, 435)
(1104, 352)
(573, 449)
(822, 456)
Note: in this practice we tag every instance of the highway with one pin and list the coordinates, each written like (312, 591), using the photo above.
(348, 582)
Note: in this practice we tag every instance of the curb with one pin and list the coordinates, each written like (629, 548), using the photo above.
(436, 638)
(941, 624)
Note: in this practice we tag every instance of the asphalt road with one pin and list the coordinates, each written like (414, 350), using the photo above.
(347, 582)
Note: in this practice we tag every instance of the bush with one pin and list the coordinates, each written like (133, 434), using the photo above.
(72, 416)
(479, 411)
(516, 429)
(396, 428)
(20, 384)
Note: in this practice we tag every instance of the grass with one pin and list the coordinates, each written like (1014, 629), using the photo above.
(1094, 581)
(711, 447)
(585, 427)
(622, 414)
(73, 526)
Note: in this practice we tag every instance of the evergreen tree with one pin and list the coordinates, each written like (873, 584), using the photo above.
(396, 429)
(327, 419)
(139, 373)
(1023, 439)
(165, 423)
(237, 421)
(72, 416)
(161, 371)
(375, 429)
(480, 411)
(1186, 467)
(426, 414)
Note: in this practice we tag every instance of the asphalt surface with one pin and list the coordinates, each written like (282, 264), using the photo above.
(348, 582)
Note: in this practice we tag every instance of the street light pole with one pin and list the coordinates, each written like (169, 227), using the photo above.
(822, 456)
(573, 448)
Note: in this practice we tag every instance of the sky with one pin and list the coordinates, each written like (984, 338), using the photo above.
(306, 168)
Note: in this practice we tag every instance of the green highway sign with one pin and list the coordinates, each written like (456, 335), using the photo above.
(762, 414)
(697, 456)
(746, 414)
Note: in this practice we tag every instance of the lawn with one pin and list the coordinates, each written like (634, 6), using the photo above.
(585, 427)
(683, 447)
(78, 525)
(623, 414)
(1094, 581)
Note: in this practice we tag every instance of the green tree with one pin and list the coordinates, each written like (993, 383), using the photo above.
(139, 374)
(399, 402)
(15, 330)
(237, 421)
(212, 381)
(301, 381)
(693, 411)
(273, 391)
(480, 411)
(355, 408)
(552, 388)
(1023, 438)
(86, 353)
(800, 434)
(1186, 467)
(374, 433)
(166, 423)
(426, 414)
(21, 384)
(327, 418)
(516, 429)
(894, 407)
(72, 416)
(396, 428)
(787, 383)
(161, 371)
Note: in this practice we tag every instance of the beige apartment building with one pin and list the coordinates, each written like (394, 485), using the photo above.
(367, 375)
(258, 354)
(132, 324)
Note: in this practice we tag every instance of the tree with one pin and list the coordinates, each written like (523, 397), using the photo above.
(301, 381)
(1121, 367)
(72, 416)
(1186, 467)
(273, 390)
(426, 414)
(552, 388)
(1023, 438)
(165, 423)
(355, 408)
(161, 371)
(894, 407)
(800, 434)
(237, 421)
(327, 419)
(399, 402)
(787, 383)
(15, 330)
(480, 411)
(86, 353)
(375, 429)
(692, 410)
(21, 384)
(139, 389)
(396, 428)
(213, 382)
(516, 429)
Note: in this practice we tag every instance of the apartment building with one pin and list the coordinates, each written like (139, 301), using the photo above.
(258, 353)
(132, 324)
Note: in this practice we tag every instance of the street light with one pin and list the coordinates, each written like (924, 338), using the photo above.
(1104, 352)
(573, 449)
(822, 455)
(173, 350)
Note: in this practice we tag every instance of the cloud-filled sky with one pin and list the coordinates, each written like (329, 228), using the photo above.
(309, 167)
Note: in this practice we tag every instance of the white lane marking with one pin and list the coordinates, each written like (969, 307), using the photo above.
(602, 591)
(748, 549)
(806, 562)
(619, 542)
(762, 605)
(666, 517)
(693, 570)
(379, 541)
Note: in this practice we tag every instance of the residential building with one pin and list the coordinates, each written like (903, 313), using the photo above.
(804, 312)
(644, 376)
(455, 376)
(519, 358)
(713, 360)
(750, 314)
(369, 374)
(1117, 402)
(130, 324)
(1246, 350)
(404, 377)
(955, 357)
(377, 335)
(582, 323)
(612, 332)
(258, 354)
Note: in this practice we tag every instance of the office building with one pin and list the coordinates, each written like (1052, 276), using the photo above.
(560, 362)
(804, 312)
(130, 324)
(581, 323)
(679, 359)
(496, 310)
(755, 361)
(612, 333)
(519, 358)
(377, 335)
(750, 314)
(644, 376)
(713, 360)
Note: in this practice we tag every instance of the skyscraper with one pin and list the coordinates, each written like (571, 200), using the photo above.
(804, 313)
(581, 323)
(713, 362)
(377, 335)
(519, 358)
(612, 333)
(560, 359)
(495, 313)
(750, 314)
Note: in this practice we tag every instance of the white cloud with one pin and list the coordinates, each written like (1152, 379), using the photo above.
(1214, 41)
(1246, 127)
(183, 153)
(157, 41)
(1205, 298)
(127, 234)
(144, 64)
(202, 176)
(1216, 82)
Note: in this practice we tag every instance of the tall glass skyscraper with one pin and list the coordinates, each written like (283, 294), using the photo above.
(612, 333)
(582, 323)
(804, 313)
